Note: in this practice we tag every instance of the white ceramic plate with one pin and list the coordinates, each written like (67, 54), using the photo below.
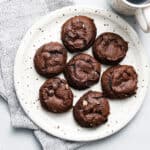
(27, 81)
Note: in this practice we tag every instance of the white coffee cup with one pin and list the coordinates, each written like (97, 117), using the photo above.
(141, 11)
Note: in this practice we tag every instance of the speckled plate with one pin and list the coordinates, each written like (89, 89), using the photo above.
(27, 81)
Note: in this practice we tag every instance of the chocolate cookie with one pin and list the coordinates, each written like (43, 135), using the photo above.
(119, 81)
(91, 110)
(55, 95)
(82, 71)
(110, 48)
(50, 59)
(78, 33)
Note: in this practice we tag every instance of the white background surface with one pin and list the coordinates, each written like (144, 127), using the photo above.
(135, 136)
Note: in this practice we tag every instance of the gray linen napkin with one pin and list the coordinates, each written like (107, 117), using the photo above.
(16, 16)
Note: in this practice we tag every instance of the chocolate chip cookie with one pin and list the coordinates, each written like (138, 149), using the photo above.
(110, 48)
(78, 33)
(50, 59)
(82, 71)
(119, 81)
(56, 95)
(91, 110)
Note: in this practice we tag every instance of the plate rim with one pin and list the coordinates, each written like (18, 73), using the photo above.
(38, 23)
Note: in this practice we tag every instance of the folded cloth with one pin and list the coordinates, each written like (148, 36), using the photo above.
(16, 16)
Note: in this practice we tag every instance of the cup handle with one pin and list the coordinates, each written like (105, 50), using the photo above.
(143, 18)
